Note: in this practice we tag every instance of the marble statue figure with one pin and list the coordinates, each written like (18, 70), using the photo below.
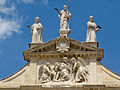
(64, 18)
(36, 30)
(91, 30)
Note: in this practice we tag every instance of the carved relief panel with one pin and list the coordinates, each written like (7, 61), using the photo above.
(65, 70)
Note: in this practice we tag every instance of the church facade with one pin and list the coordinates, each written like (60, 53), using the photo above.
(63, 63)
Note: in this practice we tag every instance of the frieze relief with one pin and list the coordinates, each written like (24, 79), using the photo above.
(71, 70)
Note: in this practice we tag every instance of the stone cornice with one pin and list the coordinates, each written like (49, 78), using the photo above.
(76, 49)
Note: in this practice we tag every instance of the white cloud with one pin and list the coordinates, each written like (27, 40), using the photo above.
(27, 1)
(2, 2)
(45, 2)
(6, 9)
(7, 27)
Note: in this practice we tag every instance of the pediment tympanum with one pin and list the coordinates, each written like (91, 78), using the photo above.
(59, 48)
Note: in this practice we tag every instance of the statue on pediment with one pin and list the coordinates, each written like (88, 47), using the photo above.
(91, 30)
(64, 17)
(36, 30)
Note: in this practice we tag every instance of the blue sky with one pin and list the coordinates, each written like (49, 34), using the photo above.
(15, 36)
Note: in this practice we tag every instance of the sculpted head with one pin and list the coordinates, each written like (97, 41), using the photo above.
(65, 7)
(48, 64)
(73, 60)
(37, 20)
(57, 64)
(91, 19)
(65, 59)
(79, 58)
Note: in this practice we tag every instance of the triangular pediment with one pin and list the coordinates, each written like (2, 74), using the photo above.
(44, 47)
(58, 46)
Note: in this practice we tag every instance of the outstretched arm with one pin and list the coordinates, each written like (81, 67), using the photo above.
(31, 27)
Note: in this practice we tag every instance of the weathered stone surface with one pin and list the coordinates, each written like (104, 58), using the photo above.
(29, 77)
(62, 63)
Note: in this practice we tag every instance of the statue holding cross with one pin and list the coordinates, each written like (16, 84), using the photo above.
(64, 16)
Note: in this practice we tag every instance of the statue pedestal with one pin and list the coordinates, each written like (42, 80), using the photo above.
(95, 44)
(64, 32)
(34, 45)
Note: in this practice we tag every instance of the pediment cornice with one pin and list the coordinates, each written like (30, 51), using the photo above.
(58, 48)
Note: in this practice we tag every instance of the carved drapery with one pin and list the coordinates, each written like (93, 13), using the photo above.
(73, 70)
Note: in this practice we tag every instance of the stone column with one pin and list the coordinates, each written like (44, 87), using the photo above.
(92, 72)
(31, 72)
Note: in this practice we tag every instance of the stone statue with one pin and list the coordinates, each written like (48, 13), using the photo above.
(64, 17)
(91, 30)
(36, 30)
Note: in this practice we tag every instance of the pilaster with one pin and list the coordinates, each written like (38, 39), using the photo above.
(31, 72)
(92, 72)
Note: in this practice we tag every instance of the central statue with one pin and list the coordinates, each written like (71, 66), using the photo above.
(64, 17)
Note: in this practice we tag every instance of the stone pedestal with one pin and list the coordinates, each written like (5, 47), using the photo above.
(95, 44)
(64, 32)
(34, 45)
